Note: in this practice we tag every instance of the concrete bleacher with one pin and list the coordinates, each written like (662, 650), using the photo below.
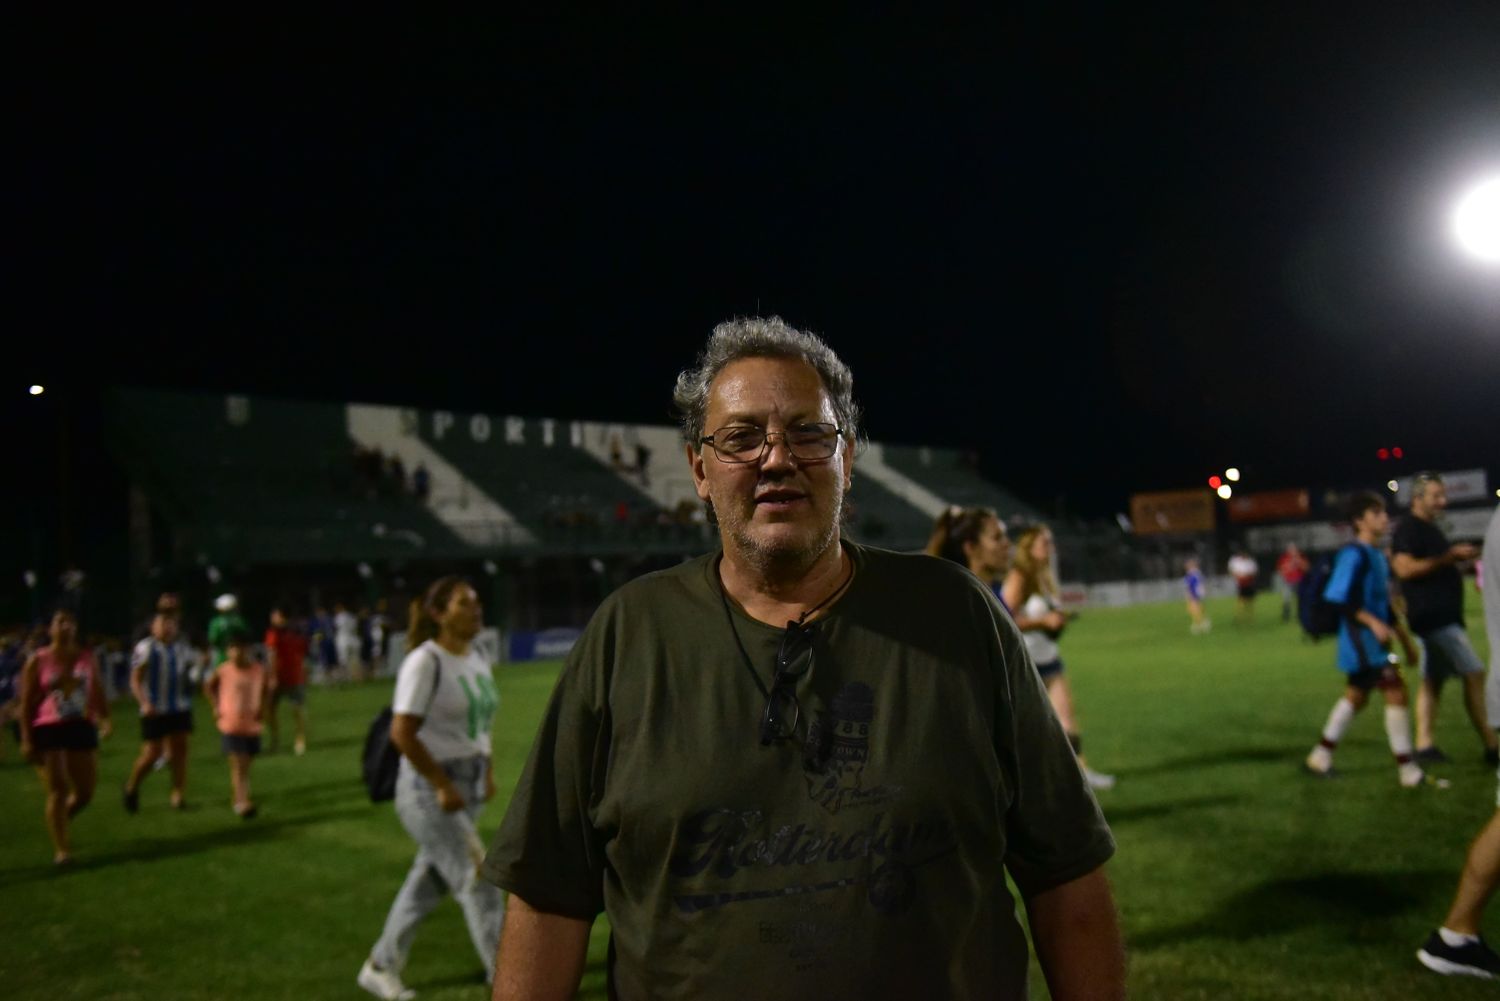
(947, 473)
(264, 481)
(275, 481)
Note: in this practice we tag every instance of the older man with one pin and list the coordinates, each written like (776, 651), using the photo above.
(799, 767)
(1427, 565)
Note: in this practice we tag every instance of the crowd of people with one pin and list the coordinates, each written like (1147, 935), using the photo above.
(760, 740)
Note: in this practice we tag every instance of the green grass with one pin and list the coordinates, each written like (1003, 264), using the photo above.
(1237, 877)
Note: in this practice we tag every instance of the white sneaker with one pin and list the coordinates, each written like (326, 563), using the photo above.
(1098, 780)
(383, 983)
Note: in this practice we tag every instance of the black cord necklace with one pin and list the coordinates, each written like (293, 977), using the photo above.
(740, 644)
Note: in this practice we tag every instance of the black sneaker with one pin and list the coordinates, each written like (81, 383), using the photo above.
(1431, 756)
(1472, 959)
(132, 800)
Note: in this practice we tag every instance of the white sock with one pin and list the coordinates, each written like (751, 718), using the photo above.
(1456, 940)
(1339, 720)
(1398, 730)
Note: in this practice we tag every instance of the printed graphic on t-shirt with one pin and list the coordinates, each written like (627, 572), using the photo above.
(726, 856)
(482, 700)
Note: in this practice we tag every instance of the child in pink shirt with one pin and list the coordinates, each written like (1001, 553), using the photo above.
(239, 691)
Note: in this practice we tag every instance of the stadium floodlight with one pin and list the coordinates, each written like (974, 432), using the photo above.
(1232, 474)
(36, 390)
(1225, 491)
(1392, 485)
(1476, 221)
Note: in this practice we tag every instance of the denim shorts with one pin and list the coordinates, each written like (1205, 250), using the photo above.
(1449, 653)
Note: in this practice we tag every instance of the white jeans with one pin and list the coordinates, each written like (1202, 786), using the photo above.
(443, 864)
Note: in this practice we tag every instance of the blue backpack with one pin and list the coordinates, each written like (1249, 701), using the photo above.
(1320, 617)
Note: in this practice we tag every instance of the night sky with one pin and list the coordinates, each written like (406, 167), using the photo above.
(1109, 252)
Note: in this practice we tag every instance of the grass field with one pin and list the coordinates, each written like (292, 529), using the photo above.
(1237, 877)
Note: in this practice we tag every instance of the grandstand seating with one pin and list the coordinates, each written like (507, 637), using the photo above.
(947, 473)
(265, 481)
(274, 481)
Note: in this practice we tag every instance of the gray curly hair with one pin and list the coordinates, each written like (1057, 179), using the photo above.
(761, 337)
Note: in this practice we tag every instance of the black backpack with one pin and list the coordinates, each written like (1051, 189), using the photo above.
(382, 760)
(1320, 617)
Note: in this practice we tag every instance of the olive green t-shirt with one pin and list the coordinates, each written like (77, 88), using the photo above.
(865, 858)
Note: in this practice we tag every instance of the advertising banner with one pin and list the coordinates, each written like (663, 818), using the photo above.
(1269, 505)
(1169, 512)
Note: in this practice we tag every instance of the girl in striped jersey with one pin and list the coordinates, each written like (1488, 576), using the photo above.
(160, 680)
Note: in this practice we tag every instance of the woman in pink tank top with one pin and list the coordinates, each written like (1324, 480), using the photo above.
(63, 714)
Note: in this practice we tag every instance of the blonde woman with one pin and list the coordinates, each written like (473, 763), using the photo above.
(1031, 593)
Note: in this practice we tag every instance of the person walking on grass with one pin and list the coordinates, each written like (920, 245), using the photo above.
(1456, 948)
(161, 667)
(1427, 565)
(445, 702)
(1192, 581)
(1031, 593)
(239, 690)
(286, 646)
(63, 714)
(1359, 584)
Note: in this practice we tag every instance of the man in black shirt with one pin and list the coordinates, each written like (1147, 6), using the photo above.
(1427, 565)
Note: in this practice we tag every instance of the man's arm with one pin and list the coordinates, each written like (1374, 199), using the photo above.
(1409, 567)
(541, 955)
(1077, 938)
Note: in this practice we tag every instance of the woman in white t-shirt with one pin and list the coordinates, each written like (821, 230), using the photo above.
(1032, 595)
(445, 702)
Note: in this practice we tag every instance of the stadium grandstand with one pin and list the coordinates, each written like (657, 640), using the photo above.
(257, 486)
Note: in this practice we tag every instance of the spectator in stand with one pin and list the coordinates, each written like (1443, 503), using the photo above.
(286, 646)
(1427, 565)
(63, 714)
(396, 470)
(421, 482)
(1291, 567)
(1245, 571)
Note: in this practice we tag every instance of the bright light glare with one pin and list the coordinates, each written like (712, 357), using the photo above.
(1476, 221)
(1232, 474)
(1226, 491)
(37, 390)
(1392, 485)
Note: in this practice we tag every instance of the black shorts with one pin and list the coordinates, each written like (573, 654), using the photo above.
(1367, 678)
(1051, 669)
(69, 735)
(1247, 590)
(234, 743)
(165, 724)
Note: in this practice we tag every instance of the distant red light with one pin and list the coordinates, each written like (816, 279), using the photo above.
(1383, 454)
(1215, 482)
(1396, 452)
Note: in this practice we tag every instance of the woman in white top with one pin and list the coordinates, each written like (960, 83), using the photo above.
(445, 702)
(1031, 593)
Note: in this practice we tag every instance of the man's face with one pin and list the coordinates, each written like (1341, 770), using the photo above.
(164, 627)
(1429, 500)
(778, 509)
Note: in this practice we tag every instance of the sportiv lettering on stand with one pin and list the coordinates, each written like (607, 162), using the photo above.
(482, 703)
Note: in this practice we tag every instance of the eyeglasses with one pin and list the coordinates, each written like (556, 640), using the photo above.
(793, 660)
(746, 443)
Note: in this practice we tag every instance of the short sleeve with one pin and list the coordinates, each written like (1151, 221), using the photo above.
(414, 682)
(140, 654)
(1341, 580)
(548, 851)
(1403, 539)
